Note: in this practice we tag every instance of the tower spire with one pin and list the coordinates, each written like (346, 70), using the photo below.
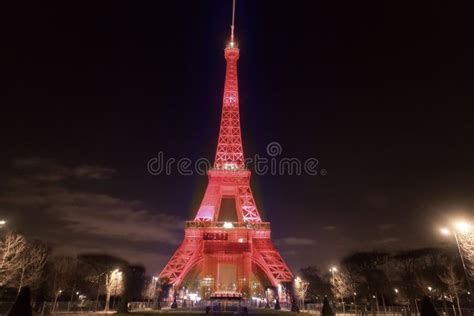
(229, 154)
(233, 24)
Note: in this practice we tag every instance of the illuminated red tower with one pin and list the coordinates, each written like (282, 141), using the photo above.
(228, 253)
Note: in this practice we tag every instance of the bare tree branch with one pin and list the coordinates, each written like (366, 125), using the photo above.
(12, 246)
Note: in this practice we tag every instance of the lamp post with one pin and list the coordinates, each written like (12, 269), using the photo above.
(111, 281)
(117, 281)
(376, 302)
(56, 300)
(3, 223)
(463, 227)
(300, 287)
(333, 270)
(152, 290)
(155, 296)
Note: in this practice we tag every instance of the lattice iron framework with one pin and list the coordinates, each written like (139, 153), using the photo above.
(229, 154)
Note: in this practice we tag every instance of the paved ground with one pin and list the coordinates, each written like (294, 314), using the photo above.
(183, 313)
(252, 312)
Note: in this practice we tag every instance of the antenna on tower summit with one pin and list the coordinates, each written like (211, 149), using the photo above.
(233, 24)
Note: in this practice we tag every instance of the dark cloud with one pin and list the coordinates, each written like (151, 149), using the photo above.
(48, 170)
(384, 227)
(291, 252)
(294, 241)
(386, 241)
(74, 220)
(93, 172)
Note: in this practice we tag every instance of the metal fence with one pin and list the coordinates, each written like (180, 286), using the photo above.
(361, 310)
(61, 308)
(71, 307)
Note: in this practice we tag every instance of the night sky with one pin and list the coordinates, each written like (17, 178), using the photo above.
(381, 93)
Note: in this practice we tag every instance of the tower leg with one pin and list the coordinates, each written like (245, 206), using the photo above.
(247, 275)
(267, 257)
(188, 254)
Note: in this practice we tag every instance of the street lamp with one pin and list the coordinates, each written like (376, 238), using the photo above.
(117, 281)
(300, 287)
(445, 231)
(152, 289)
(112, 281)
(333, 270)
(56, 300)
(155, 296)
(463, 227)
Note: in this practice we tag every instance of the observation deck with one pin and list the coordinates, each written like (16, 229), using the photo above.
(228, 225)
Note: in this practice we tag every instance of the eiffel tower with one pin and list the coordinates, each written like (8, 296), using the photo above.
(227, 246)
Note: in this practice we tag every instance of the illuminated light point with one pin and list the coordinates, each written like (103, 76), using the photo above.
(396, 290)
(462, 226)
(430, 288)
(228, 225)
(445, 231)
(333, 269)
